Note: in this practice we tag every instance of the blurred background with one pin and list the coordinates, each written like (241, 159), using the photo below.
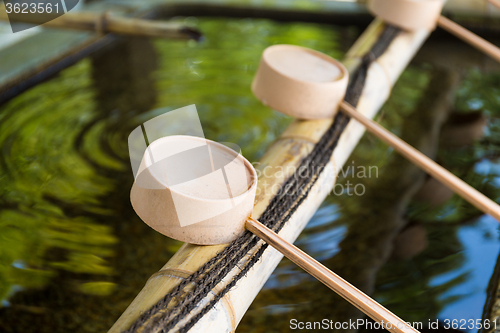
(73, 254)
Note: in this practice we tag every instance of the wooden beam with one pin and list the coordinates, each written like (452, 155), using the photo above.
(106, 23)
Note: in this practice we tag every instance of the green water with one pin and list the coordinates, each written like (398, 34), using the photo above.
(73, 254)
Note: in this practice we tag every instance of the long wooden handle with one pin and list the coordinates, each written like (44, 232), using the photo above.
(463, 189)
(350, 293)
(469, 37)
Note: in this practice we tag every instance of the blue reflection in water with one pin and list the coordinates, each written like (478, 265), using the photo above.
(481, 247)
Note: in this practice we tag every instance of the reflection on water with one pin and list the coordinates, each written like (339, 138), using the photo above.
(46, 186)
(73, 254)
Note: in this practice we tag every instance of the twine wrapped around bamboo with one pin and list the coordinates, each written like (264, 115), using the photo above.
(285, 154)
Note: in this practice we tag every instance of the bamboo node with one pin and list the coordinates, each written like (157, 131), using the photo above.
(101, 23)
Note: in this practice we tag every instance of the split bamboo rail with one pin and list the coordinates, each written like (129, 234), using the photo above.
(286, 154)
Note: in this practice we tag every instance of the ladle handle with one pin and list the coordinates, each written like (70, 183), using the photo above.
(469, 37)
(460, 187)
(350, 293)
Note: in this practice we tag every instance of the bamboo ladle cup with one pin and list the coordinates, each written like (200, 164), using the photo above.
(426, 14)
(156, 190)
(271, 81)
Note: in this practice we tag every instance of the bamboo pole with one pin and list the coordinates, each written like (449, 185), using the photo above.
(350, 293)
(284, 155)
(107, 23)
(463, 189)
(474, 40)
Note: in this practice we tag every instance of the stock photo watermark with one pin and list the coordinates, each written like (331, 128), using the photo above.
(353, 186)
(455, 324)
(36, 12)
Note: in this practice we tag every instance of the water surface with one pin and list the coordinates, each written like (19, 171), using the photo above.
(73, 254)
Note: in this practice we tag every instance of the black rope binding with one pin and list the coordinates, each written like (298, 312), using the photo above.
(183, 299)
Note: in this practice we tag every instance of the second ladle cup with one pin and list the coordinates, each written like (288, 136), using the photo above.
(408, 14)
(202, 192)
(300, 82)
